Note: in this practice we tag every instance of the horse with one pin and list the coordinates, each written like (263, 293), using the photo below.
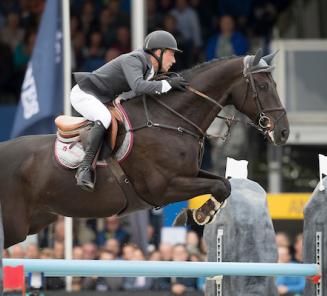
(163, 166)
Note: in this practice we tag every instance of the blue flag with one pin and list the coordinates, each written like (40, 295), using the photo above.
(42, 91)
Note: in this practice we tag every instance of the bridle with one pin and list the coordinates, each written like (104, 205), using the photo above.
(264, 126)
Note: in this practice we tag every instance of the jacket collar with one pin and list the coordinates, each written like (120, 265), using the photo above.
(148, 60)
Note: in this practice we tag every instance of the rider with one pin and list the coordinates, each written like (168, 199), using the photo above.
(128, 75)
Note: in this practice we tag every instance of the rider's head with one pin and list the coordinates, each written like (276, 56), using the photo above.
(162, 46)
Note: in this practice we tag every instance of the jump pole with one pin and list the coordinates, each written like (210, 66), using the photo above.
(119, 268)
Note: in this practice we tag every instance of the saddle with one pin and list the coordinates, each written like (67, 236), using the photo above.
(70, 127)
(72, 133)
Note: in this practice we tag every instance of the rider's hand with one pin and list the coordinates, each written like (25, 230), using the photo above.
(178, 83)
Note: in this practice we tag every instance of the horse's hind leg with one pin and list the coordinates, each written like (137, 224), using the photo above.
(40, 221)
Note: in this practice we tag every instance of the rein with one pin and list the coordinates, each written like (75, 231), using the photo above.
(264, 125)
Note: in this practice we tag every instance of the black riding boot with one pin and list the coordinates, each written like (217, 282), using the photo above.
(85, 175)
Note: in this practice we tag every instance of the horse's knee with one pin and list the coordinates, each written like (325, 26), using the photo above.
(222, 189)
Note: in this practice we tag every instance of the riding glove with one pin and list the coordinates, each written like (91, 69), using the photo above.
(178, 83)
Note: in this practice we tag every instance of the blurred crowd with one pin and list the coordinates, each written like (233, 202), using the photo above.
(113, 242)
(289, 252)
(100, 31)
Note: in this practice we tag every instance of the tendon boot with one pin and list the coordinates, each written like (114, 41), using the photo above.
(85, 175)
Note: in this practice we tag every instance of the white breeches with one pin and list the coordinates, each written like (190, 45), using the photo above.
(89, 106)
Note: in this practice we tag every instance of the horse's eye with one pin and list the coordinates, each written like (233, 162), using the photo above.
(263, 86)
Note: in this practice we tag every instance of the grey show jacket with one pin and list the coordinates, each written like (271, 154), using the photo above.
(126, 76)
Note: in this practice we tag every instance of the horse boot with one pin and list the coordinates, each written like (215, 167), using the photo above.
(85, 175)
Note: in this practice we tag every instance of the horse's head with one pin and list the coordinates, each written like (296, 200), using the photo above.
(256, 96)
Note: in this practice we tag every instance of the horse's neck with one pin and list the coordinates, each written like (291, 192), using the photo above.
(214, 82)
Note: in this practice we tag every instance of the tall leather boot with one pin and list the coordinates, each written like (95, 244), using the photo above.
(85, 175)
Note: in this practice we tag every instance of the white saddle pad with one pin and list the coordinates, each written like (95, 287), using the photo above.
(69, 155)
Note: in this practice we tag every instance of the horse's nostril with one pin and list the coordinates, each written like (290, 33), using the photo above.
(284, 133)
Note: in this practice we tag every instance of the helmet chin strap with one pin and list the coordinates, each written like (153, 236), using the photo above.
(158, 59)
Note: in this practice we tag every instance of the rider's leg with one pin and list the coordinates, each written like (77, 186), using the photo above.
(92, 109)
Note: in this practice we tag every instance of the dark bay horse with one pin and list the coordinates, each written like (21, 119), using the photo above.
(164, 164)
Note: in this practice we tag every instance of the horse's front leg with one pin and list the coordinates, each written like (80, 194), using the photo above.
(185, 187)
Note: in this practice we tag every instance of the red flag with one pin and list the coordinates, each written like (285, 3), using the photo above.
(13, 278)
(315, 279)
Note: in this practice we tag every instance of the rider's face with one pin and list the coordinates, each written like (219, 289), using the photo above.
(168, 60)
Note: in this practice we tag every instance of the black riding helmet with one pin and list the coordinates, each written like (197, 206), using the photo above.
(159, 40)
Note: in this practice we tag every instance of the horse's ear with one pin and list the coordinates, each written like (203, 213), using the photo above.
(257, 57)
(268, 58)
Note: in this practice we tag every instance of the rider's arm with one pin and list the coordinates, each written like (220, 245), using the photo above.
(133, 69)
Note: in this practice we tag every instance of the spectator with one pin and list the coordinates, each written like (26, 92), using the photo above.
(94, 53)
(161, 283)
(103, 284)
(31, 13)
(46, 253)
(59, 230)
(59, 250)
(77, 281)
(181, 285)
(12, 34)
(189, 26)
(192, 242)
(78, 253)
(119, 16)
(32, 252)
(154, 16)
(128, 251)
(282, 240)
(87, 18)
(23, 52)
(298, 245)
(123, 41)
(108, 27)
(111, 54)
(264, 14)
(89, 251)
(17, 251)
(79, 50)
(166, 251)
(107, 283)
(112, 245)
(288, 284)
(227, 41)
(113, 229)
(205, 11)
(51, 283)
(155, 256)
(75, 25)
(139, 283)
(236, 8)
(5, 253)
(201, 281)
(170, 25)
(165, 6)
